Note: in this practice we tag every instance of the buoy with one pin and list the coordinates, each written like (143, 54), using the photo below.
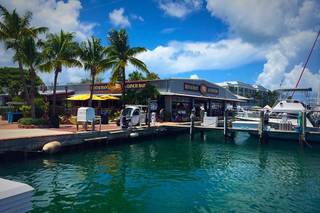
(51, 147)
(134, 134)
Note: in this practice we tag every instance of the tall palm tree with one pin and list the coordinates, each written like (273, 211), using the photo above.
(93, 57)
(59, 50)
(120, 54)
(13, 28)
(31, 58)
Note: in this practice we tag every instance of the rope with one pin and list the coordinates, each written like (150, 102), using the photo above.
(304, 67)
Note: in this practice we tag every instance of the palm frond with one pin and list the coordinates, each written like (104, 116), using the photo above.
(139, 64)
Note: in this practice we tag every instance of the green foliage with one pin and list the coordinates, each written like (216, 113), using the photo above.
(26, 110)
(142, 96)
(136, 76)
(33, 121)
(10, 78)
(272, 97)
(42, 107)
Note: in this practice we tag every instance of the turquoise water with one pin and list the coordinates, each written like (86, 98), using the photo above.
(174, 174)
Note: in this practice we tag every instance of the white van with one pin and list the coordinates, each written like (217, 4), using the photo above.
(134, 114)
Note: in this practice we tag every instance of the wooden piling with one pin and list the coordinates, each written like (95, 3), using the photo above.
(225, 123)
(302, 136)
(261, 127)
(192, 117)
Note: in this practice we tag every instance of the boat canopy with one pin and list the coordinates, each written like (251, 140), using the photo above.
(289, 107)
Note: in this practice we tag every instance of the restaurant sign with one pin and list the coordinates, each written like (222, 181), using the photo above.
(135, 85)
(202, 88)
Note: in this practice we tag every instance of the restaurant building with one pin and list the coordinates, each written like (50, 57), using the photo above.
(177, 96)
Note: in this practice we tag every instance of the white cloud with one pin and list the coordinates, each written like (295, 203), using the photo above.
(118, 19)
(137, 17)
(181, 8)
(168, 30)
(266, 19)
(194, 76)
(283, 56)
(55, 15)
(178, 57)
(286, 28)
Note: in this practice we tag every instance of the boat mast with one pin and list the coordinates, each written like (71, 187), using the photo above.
(305, 64)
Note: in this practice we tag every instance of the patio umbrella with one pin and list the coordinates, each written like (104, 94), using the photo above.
(109, 97)
(84, 97)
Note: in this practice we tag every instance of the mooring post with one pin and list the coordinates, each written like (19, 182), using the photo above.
(225, 123)
(261, 127)
(192, 117)
(302, 136)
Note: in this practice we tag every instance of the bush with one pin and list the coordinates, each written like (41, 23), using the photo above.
(30, 121)
(41, 107)
(26, 110)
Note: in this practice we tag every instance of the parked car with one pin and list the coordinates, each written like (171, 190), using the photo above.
(136, 114)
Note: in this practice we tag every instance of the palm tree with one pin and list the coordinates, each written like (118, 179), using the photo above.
(93, 57)
(13, 28)
(120, 54)
(31, 58)
(59, 50)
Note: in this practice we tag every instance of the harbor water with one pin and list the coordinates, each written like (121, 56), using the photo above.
(174, 174)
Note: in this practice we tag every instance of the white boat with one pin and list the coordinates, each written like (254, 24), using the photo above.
(284, 112)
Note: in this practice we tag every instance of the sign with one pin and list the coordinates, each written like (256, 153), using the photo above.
(214, 91)
(202, 88)
(104, 88)
(191, 87)
(135, 85)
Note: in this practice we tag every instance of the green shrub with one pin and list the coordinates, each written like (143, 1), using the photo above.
(30, 121)
(41, 106)
(26, 110)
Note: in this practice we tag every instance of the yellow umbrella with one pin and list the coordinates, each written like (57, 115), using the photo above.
(109, 97)
(84, 97)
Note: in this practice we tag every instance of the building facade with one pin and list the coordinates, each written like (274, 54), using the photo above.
(177, 96)
(255, 94)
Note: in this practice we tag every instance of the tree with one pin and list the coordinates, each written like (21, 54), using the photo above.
(136, 76)
(93, 57)
(152, 76)
(120, 54)
(13, 28)
(10, 78)
(59, 50)
(31, 58)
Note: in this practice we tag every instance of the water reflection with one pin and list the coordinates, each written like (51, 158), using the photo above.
(176, 175)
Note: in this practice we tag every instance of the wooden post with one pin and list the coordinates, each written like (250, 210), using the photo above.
(225, 123)
(302, 136)
(261, 127)
(192, 117)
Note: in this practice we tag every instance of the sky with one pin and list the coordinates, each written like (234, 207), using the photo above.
(263, 42)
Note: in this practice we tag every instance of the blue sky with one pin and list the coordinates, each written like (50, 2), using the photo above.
(157, 28)
(255, 41)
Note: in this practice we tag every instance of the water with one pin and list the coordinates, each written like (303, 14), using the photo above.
(173, 174)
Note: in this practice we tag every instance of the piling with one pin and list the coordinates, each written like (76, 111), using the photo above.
(225, 123)
(192, 118)
(302, 136)
(261, 127)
